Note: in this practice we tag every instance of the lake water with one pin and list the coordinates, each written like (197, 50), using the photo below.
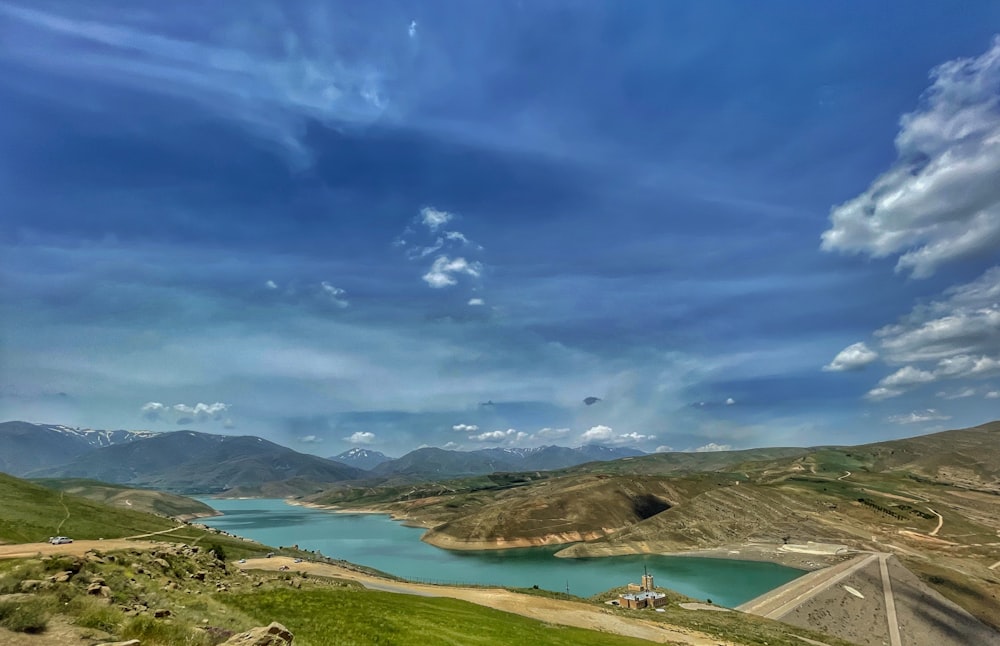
(379, 542)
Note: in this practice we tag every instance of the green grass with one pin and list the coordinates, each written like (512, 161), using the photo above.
(26, 614)
(354, 618)
(32, 513)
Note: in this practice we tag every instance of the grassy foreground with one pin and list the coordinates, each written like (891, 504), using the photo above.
(363, 617)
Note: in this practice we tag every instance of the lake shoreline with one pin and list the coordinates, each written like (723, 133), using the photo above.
(755, 552)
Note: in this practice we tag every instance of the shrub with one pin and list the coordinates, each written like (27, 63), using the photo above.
(94, 614)
(156, 632)
(27, 615)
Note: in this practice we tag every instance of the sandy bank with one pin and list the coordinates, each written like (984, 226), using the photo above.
(402, 518)
(761, 552)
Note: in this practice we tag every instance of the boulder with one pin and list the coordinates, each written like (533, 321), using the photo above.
(62, 577)
(160, 613)
(273, 635)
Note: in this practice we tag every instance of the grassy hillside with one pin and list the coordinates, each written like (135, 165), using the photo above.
(146, 500)
(33, 513)
(363, 617)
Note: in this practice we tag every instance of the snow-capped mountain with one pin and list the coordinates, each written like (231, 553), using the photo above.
(25, 447)
(98, 438)
(361, 458)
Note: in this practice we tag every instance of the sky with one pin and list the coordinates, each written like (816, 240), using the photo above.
(404, 224)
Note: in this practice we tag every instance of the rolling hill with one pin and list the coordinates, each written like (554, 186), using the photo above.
(123, 497)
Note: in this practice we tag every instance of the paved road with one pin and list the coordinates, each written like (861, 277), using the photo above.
(890, 601)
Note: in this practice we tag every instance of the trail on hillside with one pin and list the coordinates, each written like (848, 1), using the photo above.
(66, 509)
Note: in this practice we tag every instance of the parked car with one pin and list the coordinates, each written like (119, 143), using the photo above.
(60, 540)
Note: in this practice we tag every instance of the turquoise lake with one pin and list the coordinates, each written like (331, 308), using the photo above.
(379, 542)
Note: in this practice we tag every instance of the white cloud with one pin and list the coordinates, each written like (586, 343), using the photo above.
(152, 410)
(434, 219)
(599, 433)
(271, 284)
(918, 417)
(203, 411)
(465, 428)
(510, 436)
(940, 201)
(412, 29)
(967, 321)
(993, 394)
(451, 446)
(853, 357)
(712, 446)
(178, 412)
(361, 437)
(602, 434)
(475, 302)
(444, 270)
(335, 294)
(663, 448)
(730, 401)
(310, 439)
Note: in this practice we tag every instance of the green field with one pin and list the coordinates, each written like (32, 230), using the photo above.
(362, 617)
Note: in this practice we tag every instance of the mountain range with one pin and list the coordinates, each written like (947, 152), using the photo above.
(193, 462)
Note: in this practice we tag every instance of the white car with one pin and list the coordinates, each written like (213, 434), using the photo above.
(60, 540)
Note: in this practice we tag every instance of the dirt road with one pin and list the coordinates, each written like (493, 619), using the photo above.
(566, 613)
(79, 548)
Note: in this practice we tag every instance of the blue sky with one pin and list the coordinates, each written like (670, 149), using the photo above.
(447, 223)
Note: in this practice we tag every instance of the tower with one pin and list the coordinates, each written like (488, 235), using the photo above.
(647, 580)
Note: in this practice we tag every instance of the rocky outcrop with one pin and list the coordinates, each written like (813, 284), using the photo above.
(273, 635)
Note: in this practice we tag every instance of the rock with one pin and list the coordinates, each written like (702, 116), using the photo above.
(131, 642)
(199, 575)
(62, 577)
(99, 589)
(30, 585)
(98, 580)
(272, 635)
(162, 563)
(171, 585)
(160, 613)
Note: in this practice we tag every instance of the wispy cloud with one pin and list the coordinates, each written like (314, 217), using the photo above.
(270, 84)
(919, 417)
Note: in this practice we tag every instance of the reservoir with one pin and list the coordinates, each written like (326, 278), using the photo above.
(377, 541)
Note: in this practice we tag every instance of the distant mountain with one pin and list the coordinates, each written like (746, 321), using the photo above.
(439, 463)
(190, 462)
(25, 446)
(361, 458)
